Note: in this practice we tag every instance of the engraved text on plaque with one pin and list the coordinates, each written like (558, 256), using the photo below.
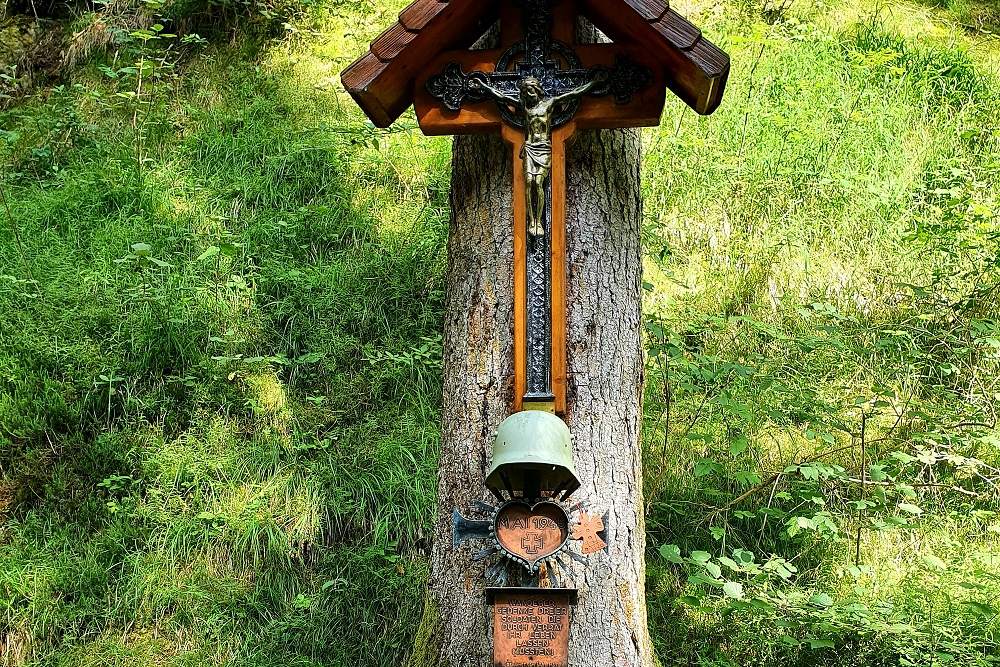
(531, 627)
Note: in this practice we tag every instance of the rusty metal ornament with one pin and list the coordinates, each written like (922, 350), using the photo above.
(590, 531)
(535, 535)
(528, 533)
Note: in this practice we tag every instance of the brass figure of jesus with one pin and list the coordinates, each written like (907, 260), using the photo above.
(536, 153)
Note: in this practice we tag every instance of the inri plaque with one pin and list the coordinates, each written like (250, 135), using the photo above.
(531, 626)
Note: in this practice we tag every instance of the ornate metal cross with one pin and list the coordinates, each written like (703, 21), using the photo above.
(538, 89)
(536, 94)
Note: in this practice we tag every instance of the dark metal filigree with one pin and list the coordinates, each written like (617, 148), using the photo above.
(552, 62)
(538, 264)
(451, 86)
(626, 79)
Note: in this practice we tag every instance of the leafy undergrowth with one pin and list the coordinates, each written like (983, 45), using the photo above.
(825, 356)
(220, 311)
(220, 338)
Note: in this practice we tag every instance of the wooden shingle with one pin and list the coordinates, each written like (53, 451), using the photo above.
(651, 10)
(392, 42)
(417, 15)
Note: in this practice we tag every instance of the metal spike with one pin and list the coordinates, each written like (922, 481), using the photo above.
(603, 534)
(463, 530)
(497, 573)
(565, 574)
(506, 483)
(552, 569)
(575, 556)
(559, 489)
(484, 553)
(485, 508)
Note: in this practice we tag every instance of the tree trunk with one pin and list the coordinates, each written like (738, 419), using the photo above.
(604, 383)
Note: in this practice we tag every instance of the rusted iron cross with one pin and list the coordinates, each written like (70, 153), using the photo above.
(537, 89)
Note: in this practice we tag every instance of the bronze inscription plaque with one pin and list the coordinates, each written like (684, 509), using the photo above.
(532, 533)
(531, 628)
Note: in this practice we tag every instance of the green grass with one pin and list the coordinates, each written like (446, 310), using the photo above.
(980, 16)
(220, 313)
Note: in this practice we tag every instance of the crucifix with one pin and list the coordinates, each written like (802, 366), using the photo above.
(537, 110)
(537, 89)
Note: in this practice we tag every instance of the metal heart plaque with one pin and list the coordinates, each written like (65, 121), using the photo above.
(530, 533)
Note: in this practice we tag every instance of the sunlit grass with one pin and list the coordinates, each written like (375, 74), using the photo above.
(227, 456)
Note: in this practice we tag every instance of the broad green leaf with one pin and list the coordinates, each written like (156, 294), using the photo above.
(729, 563)
(705, 467)
(780, 567)
(934, 562)
(310, 358)
(821, 600)
(696, 579)
(209, 253)
(902, 457)
(733, 589)
(738, 445)
(671, 553)
(746, 478)
(980, 608)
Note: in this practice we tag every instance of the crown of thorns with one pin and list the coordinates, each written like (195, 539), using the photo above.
(533, 85)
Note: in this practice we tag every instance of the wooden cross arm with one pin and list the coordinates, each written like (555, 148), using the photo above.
(595, 112)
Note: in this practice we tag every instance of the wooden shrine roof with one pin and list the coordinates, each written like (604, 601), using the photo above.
(382, 81)
(696, 69)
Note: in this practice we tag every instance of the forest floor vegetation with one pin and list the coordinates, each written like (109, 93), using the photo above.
(221, 297)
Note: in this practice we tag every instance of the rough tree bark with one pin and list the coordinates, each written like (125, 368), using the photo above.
(604, 390)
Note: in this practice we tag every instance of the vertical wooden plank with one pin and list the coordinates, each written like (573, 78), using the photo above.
(510, 32)
(564, 30)
(564, 22)
(510, 25)
(515, 138)
(558, 312)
